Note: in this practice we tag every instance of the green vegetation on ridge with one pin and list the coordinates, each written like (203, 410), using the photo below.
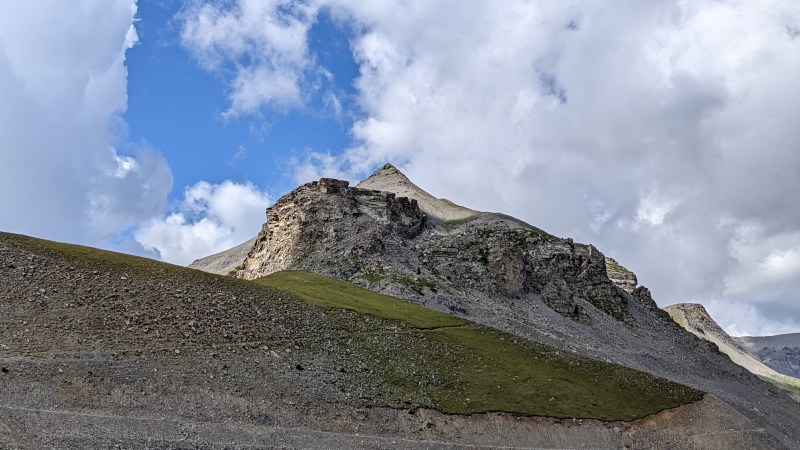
(467, 368)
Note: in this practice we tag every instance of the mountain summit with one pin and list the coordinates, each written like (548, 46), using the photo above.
(403, 241)
(388, 178)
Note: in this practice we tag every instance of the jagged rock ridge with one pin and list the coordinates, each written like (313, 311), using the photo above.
(330, 220)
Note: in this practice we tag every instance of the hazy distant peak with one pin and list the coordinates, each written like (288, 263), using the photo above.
(694, 316)
(224, 261)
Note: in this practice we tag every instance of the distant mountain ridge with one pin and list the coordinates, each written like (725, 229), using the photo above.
(695, 319)
(780, 352)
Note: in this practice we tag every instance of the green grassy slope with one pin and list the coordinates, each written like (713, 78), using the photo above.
(333, 293)
(471, 368)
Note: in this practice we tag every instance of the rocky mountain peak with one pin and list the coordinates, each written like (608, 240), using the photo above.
(390, 179)
(389, 171)
(695, 318)
(390, 176)
(388, 234)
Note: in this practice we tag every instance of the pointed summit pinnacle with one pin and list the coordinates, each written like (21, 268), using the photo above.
(390, 179)
(388, 170)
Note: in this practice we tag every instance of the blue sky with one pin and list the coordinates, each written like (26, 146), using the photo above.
(662, 132)
(176, 107)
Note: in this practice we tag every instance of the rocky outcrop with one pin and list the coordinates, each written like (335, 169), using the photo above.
(621, 276)
(328, 223)
(626, 280)
(386, 242)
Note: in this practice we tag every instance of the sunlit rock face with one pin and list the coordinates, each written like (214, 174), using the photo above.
(328, 222)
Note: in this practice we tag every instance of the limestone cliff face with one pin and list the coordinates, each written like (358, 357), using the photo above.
(327, 221)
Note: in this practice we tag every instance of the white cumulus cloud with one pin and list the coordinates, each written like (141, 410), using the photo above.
(63, 85)
(209, 219)
(266, 41)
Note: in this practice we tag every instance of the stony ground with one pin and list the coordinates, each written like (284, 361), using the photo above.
(100, 350)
